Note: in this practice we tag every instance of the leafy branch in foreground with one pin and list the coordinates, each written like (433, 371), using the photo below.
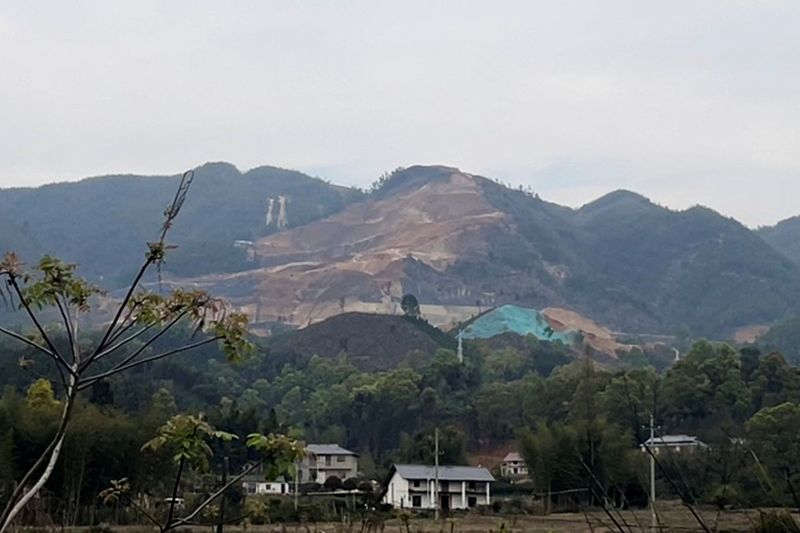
(128, 339)
(187, 438)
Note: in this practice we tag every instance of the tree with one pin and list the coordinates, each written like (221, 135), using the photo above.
(333, 483)
(775, 435)
(421, 448)
(550, 455)
(127, 341)
(410, 306)
(707, 383)
(774, 382)
(188, 440)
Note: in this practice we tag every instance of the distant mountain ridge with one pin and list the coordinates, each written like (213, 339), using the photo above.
(785, 237)
(102, 223)
(461, 243)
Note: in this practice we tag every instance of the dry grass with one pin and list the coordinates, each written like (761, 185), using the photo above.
(673, 518)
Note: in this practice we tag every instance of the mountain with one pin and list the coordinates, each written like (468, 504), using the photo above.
(693, 269)
(462, 243)
(784, 237)
(102, 223)
(783, 337)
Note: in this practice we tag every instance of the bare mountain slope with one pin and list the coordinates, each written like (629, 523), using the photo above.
(462, 243)
(363, 257)
(294, 249)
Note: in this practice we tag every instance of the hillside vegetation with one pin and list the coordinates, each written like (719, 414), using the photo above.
(461, 243)
(101, 222)
(785, 237)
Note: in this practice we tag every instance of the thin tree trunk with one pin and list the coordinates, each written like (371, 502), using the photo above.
(174, 493)
(221, 522)
(36, 487)
(13, 509)
(78, 490)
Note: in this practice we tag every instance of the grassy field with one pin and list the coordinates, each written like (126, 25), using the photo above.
(673, 518)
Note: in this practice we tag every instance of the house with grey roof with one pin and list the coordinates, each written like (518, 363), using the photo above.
(460, 487)
(673, 443)
(327, 460)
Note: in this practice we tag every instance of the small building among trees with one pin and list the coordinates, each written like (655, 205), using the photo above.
(674, 443)
(256, 484)
(513, 466)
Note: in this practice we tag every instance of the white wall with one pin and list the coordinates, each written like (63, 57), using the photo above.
(397, 492)
(400, 492)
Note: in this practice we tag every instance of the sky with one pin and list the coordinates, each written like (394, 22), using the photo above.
(686, 102)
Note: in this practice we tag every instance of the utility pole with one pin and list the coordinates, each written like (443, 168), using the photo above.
(436, 474)
(221, 522)
(653, 519)
(296, 482)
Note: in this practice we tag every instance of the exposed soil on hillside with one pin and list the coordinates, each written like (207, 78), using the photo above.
(594, 335)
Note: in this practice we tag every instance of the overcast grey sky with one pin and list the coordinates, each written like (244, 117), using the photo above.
(686, 102)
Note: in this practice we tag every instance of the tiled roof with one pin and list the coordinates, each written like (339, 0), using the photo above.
(512, 456)
(446, 473)
(674, 440)
(328, 449)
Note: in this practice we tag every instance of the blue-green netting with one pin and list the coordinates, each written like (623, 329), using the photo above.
(519, 320)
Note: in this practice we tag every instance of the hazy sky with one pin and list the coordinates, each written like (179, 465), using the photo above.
(686, 102)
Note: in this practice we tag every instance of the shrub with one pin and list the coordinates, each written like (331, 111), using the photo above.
(333, 483)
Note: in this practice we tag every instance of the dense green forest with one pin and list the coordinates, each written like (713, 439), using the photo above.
(574, 420)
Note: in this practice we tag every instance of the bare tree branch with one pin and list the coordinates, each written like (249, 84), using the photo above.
(67, 325)
(122, 306)
(120, 344)
(94, 379)
(214, 496)
(56, 354)
(146, 514)
(27, 341)
(142, 348)
(126, 323)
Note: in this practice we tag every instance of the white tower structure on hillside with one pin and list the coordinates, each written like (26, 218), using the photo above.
(270, 206)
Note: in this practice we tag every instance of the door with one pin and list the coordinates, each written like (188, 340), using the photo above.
(444, 502)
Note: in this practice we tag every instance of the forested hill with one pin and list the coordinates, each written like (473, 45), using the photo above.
(461, 243)
(102, 223)
(784, 236)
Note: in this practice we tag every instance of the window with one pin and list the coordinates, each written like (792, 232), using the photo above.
(416, 483)
(340, 458)
(327, 460)
(471, 485)
(416, 501)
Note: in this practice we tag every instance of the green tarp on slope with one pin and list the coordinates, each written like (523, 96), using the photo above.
(513, 319)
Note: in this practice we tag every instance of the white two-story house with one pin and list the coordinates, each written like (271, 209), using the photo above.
(327, 460)
(460, 487)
